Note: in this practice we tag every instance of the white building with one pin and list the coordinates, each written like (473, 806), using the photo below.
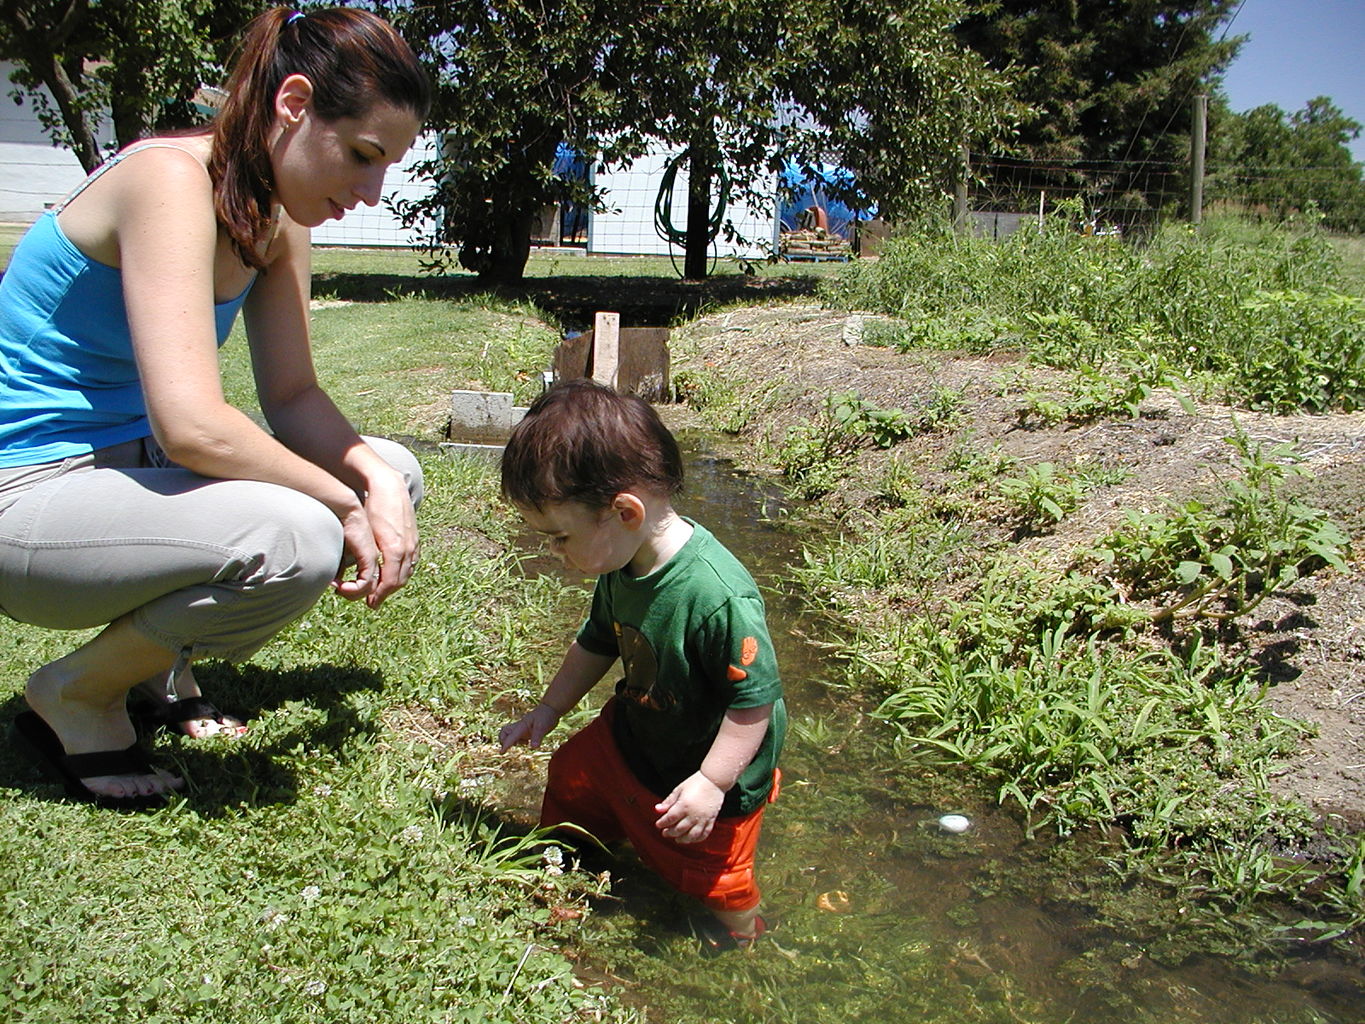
(33, 173)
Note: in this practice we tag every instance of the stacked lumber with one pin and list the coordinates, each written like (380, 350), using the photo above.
(814, 244)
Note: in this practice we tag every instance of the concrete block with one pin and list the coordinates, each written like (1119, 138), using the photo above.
(490, 452)
(483, 417)
(481, 411)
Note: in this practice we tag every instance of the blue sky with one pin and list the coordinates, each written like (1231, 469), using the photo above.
(1300, 49)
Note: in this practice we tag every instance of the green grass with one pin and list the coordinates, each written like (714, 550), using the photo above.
(361, 855)
(9, 237)
(354, 857)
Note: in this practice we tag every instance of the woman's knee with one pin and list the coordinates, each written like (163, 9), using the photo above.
(403, 462)
(301, 540)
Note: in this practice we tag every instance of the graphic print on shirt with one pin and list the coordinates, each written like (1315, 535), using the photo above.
(748, 651)
(641, 684)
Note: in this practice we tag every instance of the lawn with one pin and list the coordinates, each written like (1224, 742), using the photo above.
(340, 863)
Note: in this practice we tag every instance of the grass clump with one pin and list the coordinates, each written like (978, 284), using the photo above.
(1266, 323)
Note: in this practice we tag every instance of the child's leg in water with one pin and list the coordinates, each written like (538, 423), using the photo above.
(742, 924)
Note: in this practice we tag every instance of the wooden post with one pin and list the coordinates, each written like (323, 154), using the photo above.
(1198, 133)
(606, 348)
(960, 211)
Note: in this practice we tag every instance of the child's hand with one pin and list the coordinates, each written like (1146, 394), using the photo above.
(530, 729)
(689, 812)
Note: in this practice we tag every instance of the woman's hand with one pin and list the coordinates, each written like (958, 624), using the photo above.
(358, 552)
(380, 541)
(393, 526)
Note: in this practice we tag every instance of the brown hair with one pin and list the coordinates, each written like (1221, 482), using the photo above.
(583, 442)
(353, 59)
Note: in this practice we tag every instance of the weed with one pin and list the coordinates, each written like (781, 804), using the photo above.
(1196, 560)
(1041, 497)
(1262, 319)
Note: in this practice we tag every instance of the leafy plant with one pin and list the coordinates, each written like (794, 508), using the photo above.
(1091, 394)
(1042, 496)
(1220, 562)
(858, 419)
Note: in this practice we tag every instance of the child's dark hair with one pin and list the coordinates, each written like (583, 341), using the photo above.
(581, 441)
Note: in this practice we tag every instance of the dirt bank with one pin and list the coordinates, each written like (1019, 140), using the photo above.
(1310, 641)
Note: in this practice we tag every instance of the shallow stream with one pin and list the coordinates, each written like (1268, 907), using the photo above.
(881, 915)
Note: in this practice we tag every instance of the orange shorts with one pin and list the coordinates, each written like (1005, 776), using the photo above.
(591, 786)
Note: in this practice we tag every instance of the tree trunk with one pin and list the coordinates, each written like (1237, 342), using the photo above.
(511, 248)
(700, 171)
(82, 140)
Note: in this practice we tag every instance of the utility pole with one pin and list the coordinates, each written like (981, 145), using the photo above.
(1198, 132)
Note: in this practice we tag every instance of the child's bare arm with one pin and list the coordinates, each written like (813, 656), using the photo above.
(578, 673)
(689, 813)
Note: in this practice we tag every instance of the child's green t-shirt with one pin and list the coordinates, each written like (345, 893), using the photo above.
(693, 642)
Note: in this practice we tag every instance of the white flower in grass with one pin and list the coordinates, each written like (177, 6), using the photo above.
(314, 987)
(310, 893)
(554, 860)
(322, 789)
(271, 918)
(465, 921)
(412, 835)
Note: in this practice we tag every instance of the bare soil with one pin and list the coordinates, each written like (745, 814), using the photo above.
(1309, 641)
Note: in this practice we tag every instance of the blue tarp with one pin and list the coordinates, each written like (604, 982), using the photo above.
(569, 163)
(810, 190)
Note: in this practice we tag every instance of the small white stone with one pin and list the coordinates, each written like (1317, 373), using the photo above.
(954, 823)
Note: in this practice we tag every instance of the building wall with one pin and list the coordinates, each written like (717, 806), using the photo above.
(367, 226)
(627, 228)
(33, 173)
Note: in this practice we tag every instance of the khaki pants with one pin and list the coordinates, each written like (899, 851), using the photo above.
(212, 567)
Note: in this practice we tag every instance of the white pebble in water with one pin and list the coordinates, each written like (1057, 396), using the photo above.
(954, 823)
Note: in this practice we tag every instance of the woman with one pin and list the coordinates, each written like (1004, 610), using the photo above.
(132, 496)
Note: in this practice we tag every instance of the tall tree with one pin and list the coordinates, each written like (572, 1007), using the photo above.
(137, 62)
(1110, 83)
(1267, 160)
(878, 86)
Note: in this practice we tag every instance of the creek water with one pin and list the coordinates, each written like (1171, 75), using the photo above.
(880, 914)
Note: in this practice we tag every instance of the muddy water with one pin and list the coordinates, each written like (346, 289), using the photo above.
(879, 914)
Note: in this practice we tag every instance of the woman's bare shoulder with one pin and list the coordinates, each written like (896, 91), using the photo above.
(154, 185)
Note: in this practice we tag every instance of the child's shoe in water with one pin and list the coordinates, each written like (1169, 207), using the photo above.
(716, 939)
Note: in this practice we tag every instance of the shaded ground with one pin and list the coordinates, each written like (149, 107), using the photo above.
(1310, 641)
(644, 301)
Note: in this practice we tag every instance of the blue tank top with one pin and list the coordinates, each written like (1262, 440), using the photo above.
(68, 380)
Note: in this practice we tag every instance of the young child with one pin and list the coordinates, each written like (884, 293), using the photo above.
(682, 760)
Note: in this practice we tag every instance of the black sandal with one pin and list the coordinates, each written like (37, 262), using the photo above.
(36, 740)
(155, 714)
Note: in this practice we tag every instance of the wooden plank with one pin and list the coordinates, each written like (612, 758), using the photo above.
(606, 348)
(573, 357)
(644, 363)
